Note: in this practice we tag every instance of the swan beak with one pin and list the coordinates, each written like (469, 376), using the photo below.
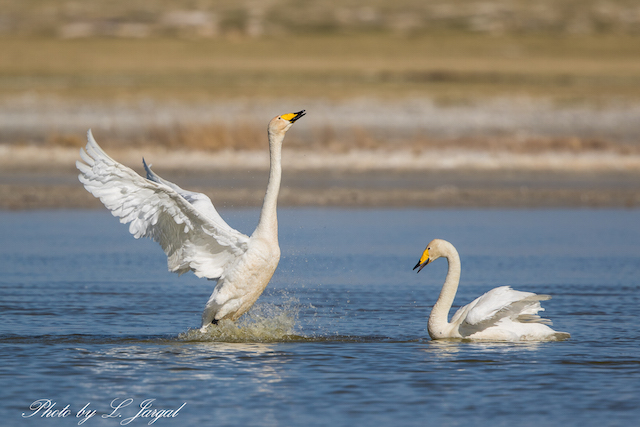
(421, 265)
(292, 117)
(424, 260)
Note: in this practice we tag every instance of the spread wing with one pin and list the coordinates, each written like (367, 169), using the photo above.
(200, 201)
(184, 223)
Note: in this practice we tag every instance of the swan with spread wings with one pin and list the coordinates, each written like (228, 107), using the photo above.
(190, 230)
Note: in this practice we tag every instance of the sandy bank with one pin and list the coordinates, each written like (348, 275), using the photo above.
(37, 178)
(46, 158)
(509, 153)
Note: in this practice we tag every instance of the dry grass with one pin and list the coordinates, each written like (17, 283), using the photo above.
(445, 66)
(213, 137)
(231, 18)
(247, 137)
(530, 145)
(451, 67)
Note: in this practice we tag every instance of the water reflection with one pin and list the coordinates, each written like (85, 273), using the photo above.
(258, 364)
(447, 349)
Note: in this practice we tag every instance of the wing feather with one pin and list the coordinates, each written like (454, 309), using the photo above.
(201, 201)
(498, 303)
(191, 236)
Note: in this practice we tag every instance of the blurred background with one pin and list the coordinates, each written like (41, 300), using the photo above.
(456, 103)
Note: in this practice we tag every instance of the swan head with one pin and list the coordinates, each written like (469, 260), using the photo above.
(435, 249)
(279, 125)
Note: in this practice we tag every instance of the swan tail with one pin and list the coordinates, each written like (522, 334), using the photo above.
(561, 336)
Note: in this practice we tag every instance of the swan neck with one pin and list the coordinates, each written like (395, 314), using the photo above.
(268, 225)
(439, 326)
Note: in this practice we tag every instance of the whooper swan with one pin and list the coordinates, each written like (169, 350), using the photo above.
(190, 230)
(502, 314)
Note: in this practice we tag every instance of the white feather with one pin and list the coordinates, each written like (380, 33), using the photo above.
(191, 239)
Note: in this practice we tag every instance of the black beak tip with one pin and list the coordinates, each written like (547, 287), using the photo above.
(298, 115)
(423, 265)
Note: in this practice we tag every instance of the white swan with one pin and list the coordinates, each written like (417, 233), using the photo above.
(190, 230)
(502, 314)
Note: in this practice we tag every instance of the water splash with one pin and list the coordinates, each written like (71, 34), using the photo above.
(265, 322)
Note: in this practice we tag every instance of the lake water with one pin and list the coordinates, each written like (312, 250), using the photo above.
(91, 318)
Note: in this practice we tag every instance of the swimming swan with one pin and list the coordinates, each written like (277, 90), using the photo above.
(190, 230)
(502, 314)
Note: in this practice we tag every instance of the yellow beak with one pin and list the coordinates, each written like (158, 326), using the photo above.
(292, 117)
(424, 260)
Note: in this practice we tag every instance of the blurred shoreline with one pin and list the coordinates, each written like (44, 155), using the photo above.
(469, 104)
(403, 153)
(45, 178)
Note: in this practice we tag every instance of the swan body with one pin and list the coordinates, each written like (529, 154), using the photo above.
(190, 230)
(502, 314)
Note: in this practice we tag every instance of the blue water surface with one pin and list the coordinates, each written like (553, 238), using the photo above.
(91, 319)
